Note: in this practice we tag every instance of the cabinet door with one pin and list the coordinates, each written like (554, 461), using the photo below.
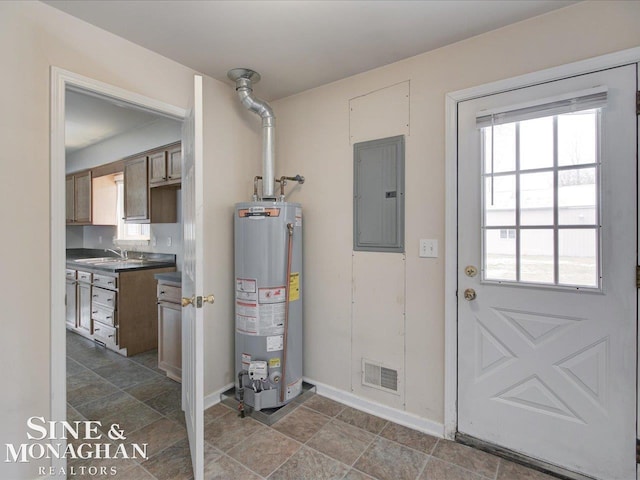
(70, 196)
(71, 303)
(136, 190)
(84, 307)
(82, 190)
(157, 167)
(170, 339)
(174, 163)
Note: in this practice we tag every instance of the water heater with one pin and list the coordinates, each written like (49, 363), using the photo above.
(268, 296)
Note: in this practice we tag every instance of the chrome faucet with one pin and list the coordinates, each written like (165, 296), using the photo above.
(121, 253)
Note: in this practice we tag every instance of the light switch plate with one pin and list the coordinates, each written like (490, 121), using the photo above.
(428, 248)
(169, 241)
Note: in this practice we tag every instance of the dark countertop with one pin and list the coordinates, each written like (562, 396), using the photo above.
(173, 277)
(137, 260)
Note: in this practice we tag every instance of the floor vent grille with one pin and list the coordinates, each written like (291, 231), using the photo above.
(377, 376)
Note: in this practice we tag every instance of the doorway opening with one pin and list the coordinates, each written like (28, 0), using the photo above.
(99, 129)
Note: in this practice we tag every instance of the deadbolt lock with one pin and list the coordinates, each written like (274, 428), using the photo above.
(470, 271)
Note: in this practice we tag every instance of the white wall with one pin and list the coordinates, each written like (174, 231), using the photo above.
(34, 36)
(314, 140)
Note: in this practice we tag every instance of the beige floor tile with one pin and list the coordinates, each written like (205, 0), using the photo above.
(362, 420)
(409, 438)
(439, 470)
(229, 430)
(388, 460)
(341, 441)
(308, 464)
(158, 435)
(301, 424)
(264, 451)
(225, 468)
(467, 457)
(324, 405)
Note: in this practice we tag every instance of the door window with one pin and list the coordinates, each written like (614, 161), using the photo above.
(540, 181)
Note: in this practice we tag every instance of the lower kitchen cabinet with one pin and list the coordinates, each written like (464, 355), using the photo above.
(117, 309)
(71, 298)
(84, 308)
(170, 329)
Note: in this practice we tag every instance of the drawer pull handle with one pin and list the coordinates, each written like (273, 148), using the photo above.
(108, 317)
(95, 311)
(94, 296)
(96, 329)
(162, 292)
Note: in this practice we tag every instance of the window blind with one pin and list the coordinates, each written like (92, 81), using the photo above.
(588, 99)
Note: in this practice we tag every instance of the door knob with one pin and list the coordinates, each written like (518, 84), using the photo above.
(469, 294)
(209, 299)
(188, 301)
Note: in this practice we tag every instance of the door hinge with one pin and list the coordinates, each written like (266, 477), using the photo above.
(637, 451)
(637, 103)
(637, 276)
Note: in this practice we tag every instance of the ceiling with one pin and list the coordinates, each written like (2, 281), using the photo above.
(92, 119)
(297, 44)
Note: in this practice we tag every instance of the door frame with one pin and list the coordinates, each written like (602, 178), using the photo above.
(452, 99)
(60, 80)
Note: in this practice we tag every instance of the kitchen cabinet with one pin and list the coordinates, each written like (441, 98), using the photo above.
(136, 190)
(84, 322)
(70, 298)
(165, 167)
(104, 309)
(170, 329)
(78, 198)
(143, 204)
(118, 309)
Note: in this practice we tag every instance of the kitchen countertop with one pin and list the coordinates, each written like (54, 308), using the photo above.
(137, 260)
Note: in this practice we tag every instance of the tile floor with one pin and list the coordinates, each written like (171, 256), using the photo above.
(320, 439)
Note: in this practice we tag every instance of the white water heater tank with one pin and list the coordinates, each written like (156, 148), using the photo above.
(268, 295)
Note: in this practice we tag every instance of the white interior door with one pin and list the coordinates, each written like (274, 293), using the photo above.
(192, 317)
(547, 215)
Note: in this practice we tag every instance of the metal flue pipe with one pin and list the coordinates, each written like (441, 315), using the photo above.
(245, 78)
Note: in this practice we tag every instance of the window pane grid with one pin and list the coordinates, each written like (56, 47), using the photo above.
(541, 243)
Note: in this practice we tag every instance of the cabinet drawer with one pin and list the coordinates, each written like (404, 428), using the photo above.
(168, 293)
(105, 333)
(104, 281)
(70, 273)
(104, 297)
(104, 315)
(84, 276)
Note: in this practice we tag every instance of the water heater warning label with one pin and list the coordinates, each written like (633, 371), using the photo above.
(275, 343)
(271, 319)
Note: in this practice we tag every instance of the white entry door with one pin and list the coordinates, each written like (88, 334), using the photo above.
(192, 317)
(547, 238)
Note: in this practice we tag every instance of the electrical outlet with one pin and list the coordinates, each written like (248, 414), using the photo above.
(169, 241)
(154, 241)
(100, 239)
(428, 248)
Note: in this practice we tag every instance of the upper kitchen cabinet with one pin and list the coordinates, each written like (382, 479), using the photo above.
(136, 190)
(78, 198)
(144, 175)
(165, 166)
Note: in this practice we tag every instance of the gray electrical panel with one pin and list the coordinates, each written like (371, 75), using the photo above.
(378, 198)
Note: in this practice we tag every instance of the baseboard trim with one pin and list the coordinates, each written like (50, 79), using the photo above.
(406, 419)
(214, 397)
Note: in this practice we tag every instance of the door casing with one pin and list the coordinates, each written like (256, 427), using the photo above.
(60, 80)
(452, 99)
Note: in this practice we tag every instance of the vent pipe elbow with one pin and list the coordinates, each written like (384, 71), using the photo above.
(245, 79)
